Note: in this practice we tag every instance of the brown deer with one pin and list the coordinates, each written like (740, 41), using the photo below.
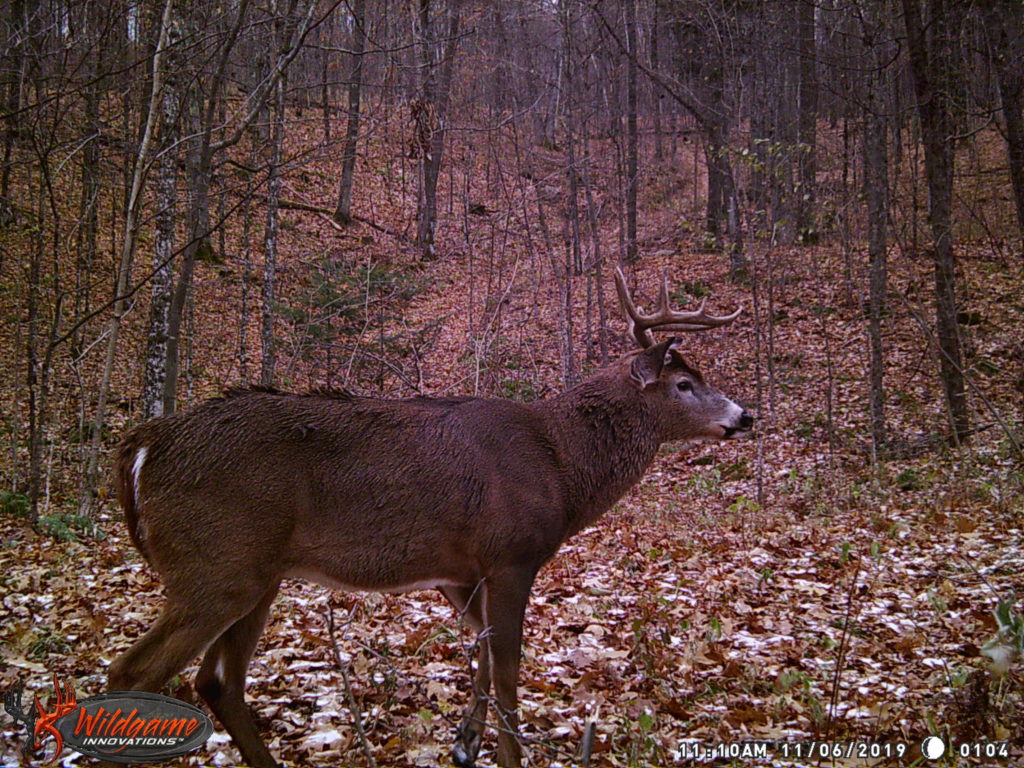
(464, 494)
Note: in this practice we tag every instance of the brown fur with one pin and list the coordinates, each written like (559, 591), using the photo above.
(471, 495)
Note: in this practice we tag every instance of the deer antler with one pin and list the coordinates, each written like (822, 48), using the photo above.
(664, 318)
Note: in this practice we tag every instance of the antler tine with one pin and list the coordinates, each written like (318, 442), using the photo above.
(698, 320)
(633, 317)
(664, 318)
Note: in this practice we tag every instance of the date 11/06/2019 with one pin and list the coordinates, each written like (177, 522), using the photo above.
(931, 748)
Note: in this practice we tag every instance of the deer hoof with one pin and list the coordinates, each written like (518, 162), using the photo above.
(461, 758)
(465, 749)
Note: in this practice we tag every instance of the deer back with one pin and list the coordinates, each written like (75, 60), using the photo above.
(355, 492)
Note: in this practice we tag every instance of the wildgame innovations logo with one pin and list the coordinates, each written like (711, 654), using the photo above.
(122, 726)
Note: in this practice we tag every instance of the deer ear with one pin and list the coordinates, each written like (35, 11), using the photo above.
(647, 366)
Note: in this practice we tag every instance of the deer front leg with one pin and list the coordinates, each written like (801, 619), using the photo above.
(469, 602)
(467, 743)
(505, 606)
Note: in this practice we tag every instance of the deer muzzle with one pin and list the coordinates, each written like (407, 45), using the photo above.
(739, 428)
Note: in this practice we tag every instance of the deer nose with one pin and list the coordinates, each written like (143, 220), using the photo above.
(746, 420)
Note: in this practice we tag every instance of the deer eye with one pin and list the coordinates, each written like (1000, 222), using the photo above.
(684, 386)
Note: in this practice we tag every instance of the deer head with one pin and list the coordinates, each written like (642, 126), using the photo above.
(467, 495)
(690, 408)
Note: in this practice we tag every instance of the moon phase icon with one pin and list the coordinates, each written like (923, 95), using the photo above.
(933, 747)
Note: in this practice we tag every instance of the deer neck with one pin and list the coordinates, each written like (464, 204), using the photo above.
(606, 437)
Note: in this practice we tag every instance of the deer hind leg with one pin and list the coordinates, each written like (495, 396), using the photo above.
(185, 628)
(221, 681)
(179, 635)
(469, 601)
(505, 602)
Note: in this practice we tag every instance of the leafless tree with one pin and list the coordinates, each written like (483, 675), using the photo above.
(929, 40)
(1004, 24)
(438, 45)
(343, 213)
(128, 245)
(877, 45)
(166, 224)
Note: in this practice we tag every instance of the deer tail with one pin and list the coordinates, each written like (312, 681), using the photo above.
(131, 455)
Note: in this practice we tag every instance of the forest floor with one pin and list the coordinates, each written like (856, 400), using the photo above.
(785, 588)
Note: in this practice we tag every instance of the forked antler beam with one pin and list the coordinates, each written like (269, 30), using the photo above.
(664, 318)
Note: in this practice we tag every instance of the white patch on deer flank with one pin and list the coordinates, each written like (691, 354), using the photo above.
(140, 459)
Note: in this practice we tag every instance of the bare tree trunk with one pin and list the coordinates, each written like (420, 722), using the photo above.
(131, 226)
(88, 207)
(598, 259)
(35, 409)
(631, 131)
(343, 213)
(200, 178)
(876, 191)
(1012, 96)
(163, 245)
(738, 271)
(325, 82)
(931, 66)
(243, 330)
(1005, 27)
(658, 96)
(268, 363)
(808, 121)
(201, 175)
(12, 97)
(784, 192)
(573, 256)
(714, 120)
(716, 159)
(432, 115)
(760, 137)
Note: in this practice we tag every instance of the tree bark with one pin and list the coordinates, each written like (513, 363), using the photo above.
(343, 213)
(785, 157)
(163, 245)
(573, 264)
(35, 418)
(657, 96)
(131, 227)
(717, 160)
(88, 209)
(876, 192)
(1004, 24)
(431, 114)
(15, 74)
(930, 63)
(268, 361)
(808, 121)
(632, 138)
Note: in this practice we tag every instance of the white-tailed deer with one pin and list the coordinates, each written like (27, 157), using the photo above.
(464, 494)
